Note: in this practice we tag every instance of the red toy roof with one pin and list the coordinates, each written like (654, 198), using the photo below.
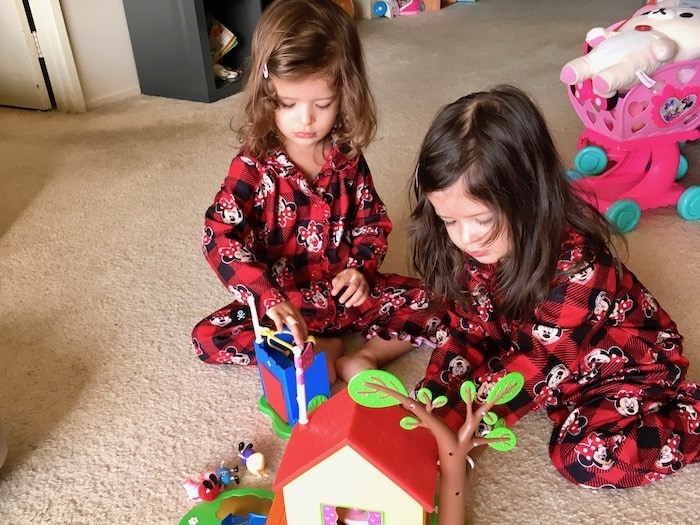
(408, 458)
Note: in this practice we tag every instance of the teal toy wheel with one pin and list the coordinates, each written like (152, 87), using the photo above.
(624, 214)
(573, 175)
(380, 8)
(682, 167)
(591, 160)
(689, 204)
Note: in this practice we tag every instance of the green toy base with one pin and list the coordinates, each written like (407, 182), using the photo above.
(238, 501)
(281, 428)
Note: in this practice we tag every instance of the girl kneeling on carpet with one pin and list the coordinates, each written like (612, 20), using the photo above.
(298, 224)
(525, 266)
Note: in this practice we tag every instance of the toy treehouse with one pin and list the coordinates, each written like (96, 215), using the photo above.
(356, 465)
(351, 461)
(294, 380)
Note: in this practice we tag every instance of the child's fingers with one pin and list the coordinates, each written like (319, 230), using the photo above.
(357, 297)
(339, 282)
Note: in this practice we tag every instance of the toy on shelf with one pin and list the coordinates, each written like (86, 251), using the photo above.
(349, 462)
(208, 486)
(294, 380)
(629, 156)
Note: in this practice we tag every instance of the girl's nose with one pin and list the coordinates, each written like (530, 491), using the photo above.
(467, 235)
(305, 116)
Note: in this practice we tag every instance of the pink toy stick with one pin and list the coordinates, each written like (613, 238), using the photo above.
(301, 385)
(256, 321)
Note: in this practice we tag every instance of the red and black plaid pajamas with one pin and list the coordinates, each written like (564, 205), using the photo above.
(273, 235)
(600, 355)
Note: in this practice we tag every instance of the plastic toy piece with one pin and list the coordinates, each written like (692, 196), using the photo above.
(371, 386)
(208, 486)
(370, 449)
(386, 8)
(292, 386)
(254, 461)
(410, 7)
(629, 156)
(240, 506)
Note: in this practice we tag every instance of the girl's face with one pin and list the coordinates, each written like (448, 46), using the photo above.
(307, 111)
(469, 224)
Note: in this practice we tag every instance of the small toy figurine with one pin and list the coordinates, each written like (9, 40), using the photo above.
(210, 483)
(226, 474)
(254, 461)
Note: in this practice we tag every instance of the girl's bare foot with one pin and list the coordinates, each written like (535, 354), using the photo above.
(375, 353)
(334, 348)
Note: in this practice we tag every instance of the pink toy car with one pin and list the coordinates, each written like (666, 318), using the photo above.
(629, 156)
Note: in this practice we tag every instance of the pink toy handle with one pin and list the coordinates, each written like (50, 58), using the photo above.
(301, 385)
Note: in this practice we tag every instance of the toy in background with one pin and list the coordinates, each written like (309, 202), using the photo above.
(629, 156)
(294, 380)
(208, 486)
(410, 7)
(622, 56)
(394, 8)
(386, 8)
(254, 461)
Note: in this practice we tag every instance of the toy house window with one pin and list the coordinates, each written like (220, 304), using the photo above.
(333, 515)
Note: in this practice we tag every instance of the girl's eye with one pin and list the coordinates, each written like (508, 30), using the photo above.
(285, 106)
(448, 223)
(485, 222)
(326, 106)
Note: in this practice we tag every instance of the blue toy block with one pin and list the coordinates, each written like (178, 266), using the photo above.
(278, 378)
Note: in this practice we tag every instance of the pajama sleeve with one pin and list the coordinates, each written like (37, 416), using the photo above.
(231, 225)
(369, 224)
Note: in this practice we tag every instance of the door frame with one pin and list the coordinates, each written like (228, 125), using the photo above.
(58, 55)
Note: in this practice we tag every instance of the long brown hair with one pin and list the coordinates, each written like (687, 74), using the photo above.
(498, 145)
(295, 39)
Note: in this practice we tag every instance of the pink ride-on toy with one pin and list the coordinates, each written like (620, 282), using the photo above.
(629, 156)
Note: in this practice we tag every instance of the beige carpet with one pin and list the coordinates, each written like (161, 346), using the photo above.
(105, 406)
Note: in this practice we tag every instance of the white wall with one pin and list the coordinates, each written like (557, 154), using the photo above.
(102, 51)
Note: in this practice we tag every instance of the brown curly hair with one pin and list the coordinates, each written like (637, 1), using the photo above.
(295, 39)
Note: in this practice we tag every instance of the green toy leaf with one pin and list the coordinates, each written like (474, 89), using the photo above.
(490, 418)
(502, 432)
(362, 392)
(506, 388)
(409, 423)
(439, 401)
(468, 392)
(424, 395)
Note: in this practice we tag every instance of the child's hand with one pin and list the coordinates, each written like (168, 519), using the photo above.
(355, 284)
(286, 314)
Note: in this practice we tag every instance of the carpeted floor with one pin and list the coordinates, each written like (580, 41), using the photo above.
(105, 406)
